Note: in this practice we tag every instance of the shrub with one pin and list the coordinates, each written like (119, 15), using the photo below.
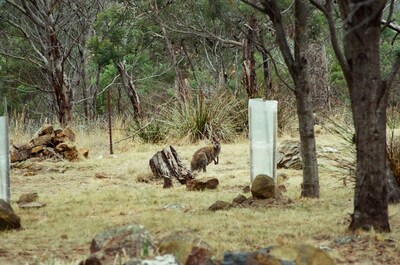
(216, 116)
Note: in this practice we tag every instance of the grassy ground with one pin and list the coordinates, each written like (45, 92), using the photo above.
(79, 205)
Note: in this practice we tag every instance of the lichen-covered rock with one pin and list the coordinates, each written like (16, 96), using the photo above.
(134, 240)
(288, 255)
(186, 249)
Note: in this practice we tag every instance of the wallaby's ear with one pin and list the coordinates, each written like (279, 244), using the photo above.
(214, 139)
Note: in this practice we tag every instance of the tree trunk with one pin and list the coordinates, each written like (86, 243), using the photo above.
(62, 91)
(249, 62)
(298, 69)
(264, 54)
(310, 185)
(130, 90)
(369, 96)
(318, 77)
(57, 76)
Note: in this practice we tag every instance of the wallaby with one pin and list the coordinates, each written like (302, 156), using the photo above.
(204, 156)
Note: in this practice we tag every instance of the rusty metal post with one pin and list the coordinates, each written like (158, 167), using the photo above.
(109, 122)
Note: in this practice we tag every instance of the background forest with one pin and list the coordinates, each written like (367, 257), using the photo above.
(171, 68)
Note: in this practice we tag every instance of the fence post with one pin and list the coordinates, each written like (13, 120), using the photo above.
(4, 156)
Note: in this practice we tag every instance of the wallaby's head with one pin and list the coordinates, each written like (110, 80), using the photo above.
(216, 144)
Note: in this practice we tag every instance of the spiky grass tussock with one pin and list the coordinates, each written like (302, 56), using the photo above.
(393, 155)
(203, 118)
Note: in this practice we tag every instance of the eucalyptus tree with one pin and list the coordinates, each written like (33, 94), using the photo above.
(360, 61)
(115, 41)
(298, 66)
(44, 34)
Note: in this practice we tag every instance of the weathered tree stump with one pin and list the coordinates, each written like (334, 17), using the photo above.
(167, 164)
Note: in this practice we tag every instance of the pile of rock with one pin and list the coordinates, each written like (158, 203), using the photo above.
(289, 155)
(49, 143)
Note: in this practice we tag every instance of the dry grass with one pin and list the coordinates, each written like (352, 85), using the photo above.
(79, 205)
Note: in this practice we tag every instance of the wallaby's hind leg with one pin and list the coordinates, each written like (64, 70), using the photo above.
(203, 162)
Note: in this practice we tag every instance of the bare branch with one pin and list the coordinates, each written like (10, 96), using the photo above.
(206, 34)
(391, 25)
(388, 20)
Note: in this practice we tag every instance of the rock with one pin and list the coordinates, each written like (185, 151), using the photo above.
(185, 248)
(239, 199)
(220, 205)
(118, 244)
(131, 240)
(199, 256)
(202, 184)
(289, 155)
(83, 152)
(8, 219)
(71, 155)
(263, 187)
(25, 146)
(27, 197)
(45, 129)
(19, 155)
(288, 255)
(174, 207)
(65, 146)
(31, 205)
(158, 260)
(37, 149)
(42, 140)
(70, 134)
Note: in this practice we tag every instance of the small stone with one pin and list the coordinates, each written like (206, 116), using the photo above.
(37, 149)
(239, 199)
(32, 205)
(27, 197)
(83, 152)
(220, 205)
(202, 184)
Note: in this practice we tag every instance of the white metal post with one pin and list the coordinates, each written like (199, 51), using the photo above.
(4, 156)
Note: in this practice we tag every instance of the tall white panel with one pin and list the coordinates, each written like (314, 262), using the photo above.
(263, 137)
(4, 157)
